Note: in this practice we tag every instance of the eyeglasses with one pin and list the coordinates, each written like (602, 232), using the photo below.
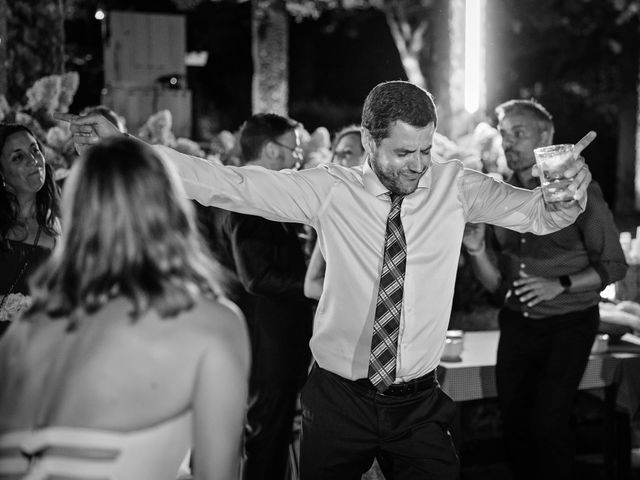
(296, 151)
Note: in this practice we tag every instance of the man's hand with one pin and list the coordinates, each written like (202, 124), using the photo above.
(630, 307)
(533, 290)
(89, 129)
(578, 173)
(473, 238)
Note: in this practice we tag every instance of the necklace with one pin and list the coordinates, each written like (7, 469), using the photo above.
(22, 269)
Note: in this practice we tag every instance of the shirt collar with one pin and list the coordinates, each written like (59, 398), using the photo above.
(373, 185)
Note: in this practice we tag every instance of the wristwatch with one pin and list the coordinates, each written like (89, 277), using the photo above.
(565, 281)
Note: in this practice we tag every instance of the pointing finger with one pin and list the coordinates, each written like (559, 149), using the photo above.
(584, 142)
(65, 117)
(81, 129)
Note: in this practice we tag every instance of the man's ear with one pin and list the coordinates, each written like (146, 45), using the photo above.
(270, 150)
(368, 142)
(547, 137)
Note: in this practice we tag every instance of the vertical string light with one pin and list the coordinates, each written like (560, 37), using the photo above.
(474, 78)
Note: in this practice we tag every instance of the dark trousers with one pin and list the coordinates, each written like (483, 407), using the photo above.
(280, 362)
(539, 367)
(271, 422)
(345, 425)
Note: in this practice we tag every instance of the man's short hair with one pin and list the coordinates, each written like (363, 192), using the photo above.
(348, 130)
(107, 113)
(528, 107)
(260, 129)
(389, 102)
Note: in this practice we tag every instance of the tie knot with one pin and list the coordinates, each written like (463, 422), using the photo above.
(396, 199)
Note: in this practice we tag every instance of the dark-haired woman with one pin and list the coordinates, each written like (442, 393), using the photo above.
(128, 356)
(29, 216)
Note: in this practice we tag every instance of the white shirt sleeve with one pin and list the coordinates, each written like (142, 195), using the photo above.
(285, 196)
(487, 200)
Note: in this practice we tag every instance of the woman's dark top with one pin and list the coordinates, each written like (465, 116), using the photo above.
(12, 259)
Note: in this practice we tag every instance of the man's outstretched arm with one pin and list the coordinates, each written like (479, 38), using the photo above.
(287, 196)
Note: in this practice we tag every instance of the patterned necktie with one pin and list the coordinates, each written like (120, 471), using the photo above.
(386, 324)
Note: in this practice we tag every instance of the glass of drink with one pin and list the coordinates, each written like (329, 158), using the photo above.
(454, 344)
(552, 162)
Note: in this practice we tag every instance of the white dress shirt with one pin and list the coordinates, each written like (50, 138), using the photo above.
(348, 207)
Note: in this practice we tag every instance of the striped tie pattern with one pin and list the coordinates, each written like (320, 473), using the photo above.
(386, 324)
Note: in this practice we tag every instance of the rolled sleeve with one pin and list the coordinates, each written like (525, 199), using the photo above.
(601, 238)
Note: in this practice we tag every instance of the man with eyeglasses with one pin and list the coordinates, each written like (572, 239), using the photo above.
(551, 288)
(266, 268)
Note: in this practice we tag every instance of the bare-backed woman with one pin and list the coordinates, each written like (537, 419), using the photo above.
(128, 356)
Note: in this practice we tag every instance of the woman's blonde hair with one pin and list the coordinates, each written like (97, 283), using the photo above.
(127, 230)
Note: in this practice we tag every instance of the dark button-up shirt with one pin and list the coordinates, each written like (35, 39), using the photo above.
(592, 241)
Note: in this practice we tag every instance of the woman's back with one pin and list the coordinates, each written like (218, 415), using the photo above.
(130, 383)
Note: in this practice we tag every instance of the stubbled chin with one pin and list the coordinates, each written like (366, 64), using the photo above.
(405, 189)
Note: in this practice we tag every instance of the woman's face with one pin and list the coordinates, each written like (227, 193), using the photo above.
(349, 151)
(22, 164)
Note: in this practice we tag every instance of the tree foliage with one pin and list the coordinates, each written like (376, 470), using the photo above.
(408, 22)
(34, 44)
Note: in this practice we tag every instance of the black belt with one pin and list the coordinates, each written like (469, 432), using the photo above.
(416, 385)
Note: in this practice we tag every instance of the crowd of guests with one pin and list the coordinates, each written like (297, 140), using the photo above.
(152, 326)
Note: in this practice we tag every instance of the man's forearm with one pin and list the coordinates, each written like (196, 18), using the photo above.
(485, 270)
(585, 280)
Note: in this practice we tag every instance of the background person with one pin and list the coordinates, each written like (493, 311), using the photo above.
(265, 274)
(347, 147)
(108, 113)
(29, 216)
(551, 288)
(128, 349)
(348, 152)
(377, 340)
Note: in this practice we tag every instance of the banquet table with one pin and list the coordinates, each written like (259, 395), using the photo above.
(613, 375)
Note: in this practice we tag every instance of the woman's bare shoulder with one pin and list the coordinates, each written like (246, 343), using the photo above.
(217, 318)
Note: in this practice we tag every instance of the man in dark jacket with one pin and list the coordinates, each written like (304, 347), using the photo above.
(265, 271)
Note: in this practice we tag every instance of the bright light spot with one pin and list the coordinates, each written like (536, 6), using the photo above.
(173, 81)
(196, 59)
(99, 15)
(473, 54)
(609, 292)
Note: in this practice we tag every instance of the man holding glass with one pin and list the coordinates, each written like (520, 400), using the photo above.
(551, 285)
(390, 232)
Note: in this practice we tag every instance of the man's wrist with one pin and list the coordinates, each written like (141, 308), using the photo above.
(565, 282)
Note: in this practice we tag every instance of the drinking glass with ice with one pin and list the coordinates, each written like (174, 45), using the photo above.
(552, 162)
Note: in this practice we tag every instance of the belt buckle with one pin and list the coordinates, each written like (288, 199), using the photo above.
(399, 390)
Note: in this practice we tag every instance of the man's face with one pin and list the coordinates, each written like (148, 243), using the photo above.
(290, 151)
(402, 158)
(521, 133)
